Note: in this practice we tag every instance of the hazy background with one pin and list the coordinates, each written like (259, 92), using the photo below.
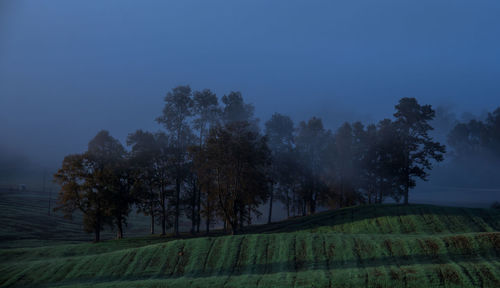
(69, 69)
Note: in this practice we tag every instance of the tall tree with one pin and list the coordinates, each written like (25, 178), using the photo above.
(87, 183)
(206, 114)
(204, 173)
(238, 161)
(367, 161)
(142, 161)
(344, 144)
(311, 143)
(111, 176)
(151, 157)
(417, 146)
(176, 115)
(279, 131)
(289, 175)
(388, 158)
(121, 198)
(77, 194)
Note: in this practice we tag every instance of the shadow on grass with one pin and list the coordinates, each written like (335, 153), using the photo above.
(389, 262)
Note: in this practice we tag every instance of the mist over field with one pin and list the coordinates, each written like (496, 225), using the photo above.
(280, 143)
(71, 69)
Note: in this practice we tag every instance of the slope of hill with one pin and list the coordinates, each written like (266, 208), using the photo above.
(371, 246)
(391, 219)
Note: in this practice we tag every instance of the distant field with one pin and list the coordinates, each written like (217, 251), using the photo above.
(369, 246)
(26, 222)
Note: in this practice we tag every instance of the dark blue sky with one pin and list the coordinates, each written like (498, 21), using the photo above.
(68, 69)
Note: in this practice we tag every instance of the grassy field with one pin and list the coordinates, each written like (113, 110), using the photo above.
(369, 246)
(26, 222)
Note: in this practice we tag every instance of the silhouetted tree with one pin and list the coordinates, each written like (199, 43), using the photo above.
(77, 194)
(203, 173)
(207, 114)
(121, 197)
(237, 160)
(87, 180)
(280, 134)
(389, 157)
(142, 155)
(176, 113)
(311, 143)
(344, 144)
(417, 146)
(367, 163)
(151, 159)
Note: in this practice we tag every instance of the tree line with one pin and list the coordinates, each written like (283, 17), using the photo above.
(212, 163)
(475, 154)
(477, 137)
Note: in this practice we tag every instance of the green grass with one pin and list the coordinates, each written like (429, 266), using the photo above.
(369, 246)
(392, 219)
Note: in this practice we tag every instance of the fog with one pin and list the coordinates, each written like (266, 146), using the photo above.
(68, 70)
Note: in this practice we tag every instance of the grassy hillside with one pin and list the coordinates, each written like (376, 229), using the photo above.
(371, 246)
(392, 219)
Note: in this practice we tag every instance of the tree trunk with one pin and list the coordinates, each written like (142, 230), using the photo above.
(287, 204)
(249, 215)
(407, 185)
(312, 210)
(271, 205)
(152, 212)
(342, 196)
(119, 233)
(177, 198)
(193, 209)
(406, 194)
(241, 219)
(198, 212)
(208, 222)
(97, 236)
(313, 202)
(379, 200)
(163, 212)
(234, 225)
(198, 208)
(152, 223)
